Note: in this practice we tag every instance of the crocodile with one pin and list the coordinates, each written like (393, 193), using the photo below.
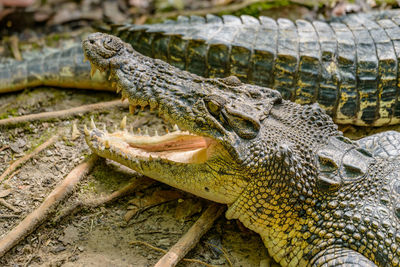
(349, 65)
(284, 169)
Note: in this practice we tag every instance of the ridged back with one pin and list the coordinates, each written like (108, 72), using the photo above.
(348, 65)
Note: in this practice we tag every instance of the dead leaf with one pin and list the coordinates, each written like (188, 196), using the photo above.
(71, 235)
(70, 12)
(112, 12)
(17, 3)
(4, 193)
(75, 132)
(188, 208)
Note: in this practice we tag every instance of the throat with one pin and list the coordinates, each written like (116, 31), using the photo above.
(183, 143)
(180, 147)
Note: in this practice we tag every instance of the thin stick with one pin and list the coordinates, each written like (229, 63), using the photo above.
(8, 205)
(8, 216)
(139, 184)
(14, 44)
(64, 113)
(192, 237)
(25, 158)
(136, 185)
(223, 252)
(38, 216)
(4, 147)
(164, 252)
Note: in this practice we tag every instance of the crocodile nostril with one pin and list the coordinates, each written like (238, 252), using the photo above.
(91, 41)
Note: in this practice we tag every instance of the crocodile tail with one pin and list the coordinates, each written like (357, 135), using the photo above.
(51, 67)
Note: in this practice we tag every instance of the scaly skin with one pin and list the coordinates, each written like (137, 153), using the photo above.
(349, 65)
(284, 170)
(51, 67)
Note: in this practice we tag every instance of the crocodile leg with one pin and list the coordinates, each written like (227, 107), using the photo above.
(340, 257)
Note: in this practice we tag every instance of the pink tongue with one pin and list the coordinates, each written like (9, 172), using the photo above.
(180, 144)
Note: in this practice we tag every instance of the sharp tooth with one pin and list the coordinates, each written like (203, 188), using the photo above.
(150, 157)
(118, 88)
(86, 130)
(107, 143)
(131, 129)
(110, 77)
(123, 98)
(156, 133)
(176, 128)
(123, 123)
(75, 132)
(93, 70)
(166, 130)
(85, 58)
(146, 132)
(139, 131)
(92, 124)
(132, 109)
(104, 128)
(153, 106)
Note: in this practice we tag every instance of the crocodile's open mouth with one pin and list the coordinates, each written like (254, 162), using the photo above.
(197, 161)
(177, 146)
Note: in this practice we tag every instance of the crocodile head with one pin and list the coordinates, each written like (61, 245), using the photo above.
(230, 133)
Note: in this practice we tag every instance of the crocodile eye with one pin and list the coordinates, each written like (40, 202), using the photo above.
(214, 108)
(214, 104)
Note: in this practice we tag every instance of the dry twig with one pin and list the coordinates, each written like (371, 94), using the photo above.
(8, 216)
(14, 44)
(4, 147)
(192, 237)
(137, 184)
(157, 198)
(25, 158)
(64, 113)
(223, 252)
(164, 251)
(38, 216)
(8, 205)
